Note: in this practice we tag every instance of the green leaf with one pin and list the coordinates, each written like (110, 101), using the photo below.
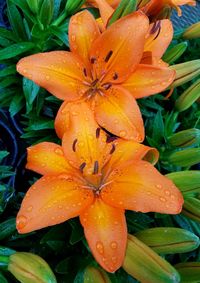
(5, 33)
(16, 21)
(158, 128)
(10, 70)
(3, 154)
(31, 91)
(15, 49)
(7, 228)
(46, 12)
(6, 251)
(3, 279)
(59, 33)
(16, 104)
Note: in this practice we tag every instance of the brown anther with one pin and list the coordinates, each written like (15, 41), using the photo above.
(115, 76)
(93, 60)
(112, 149)
(94, 82)
(155, 27)
(107, 86)
(98, 132)
(108, 56)
(85, 72)
(74, 145)
(96, 167)
(82, 166)
(110, 139)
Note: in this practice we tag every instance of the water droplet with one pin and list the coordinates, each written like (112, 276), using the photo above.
(80, 144)
(47, 77)
(30, 208)
(53, 218)
(73, 37)
(122, 133)
(172, 197)
(162, 199)
(113, 245)
(74, 113)
(114, 259)
(99, 247)
(167, 192)
(158, 186)
(21, 222)
(59, 151)
(60, 206)
(120, 202)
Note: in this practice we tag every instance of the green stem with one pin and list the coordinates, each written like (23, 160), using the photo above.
(4, 261)
(60, 19)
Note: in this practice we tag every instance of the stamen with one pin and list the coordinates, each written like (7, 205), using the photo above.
(98, 132)
(106, 86)
(112, 149)
(96, 167)
(108, 56)
(115, 76)
(94, 82)
(104, 185)
(85, 72)
(74, 145)
(82, 166)
(110, 139)
(155, 27)
(93, 60)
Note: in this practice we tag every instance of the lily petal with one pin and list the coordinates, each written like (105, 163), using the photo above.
(114, 54)
(118, 112)
(60, 72)
(105, 10)
(62, 120)
(84, 143)
(148, 80)
(52, 200)
(140, 187)
(160, 36)
(106, 233)
(83, 30)
(47, 158)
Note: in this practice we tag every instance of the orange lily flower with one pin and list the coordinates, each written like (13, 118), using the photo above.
(97, 69)
(154, 7)
(95, 178)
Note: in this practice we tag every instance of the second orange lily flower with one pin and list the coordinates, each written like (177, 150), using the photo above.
(105, 70)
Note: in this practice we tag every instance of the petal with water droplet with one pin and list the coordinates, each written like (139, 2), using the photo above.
(135, 187)
(106, 233)
(52, 200)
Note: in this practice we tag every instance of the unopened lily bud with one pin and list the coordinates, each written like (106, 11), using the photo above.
(34, 5)
(124, 8)
(73, 6)
(169, 240)
(185, 138)
(96, 275)
(146, 265)
(191, 208)
(192, 32)
(185, 72)
(186, 181)
(188, 97)
(30, 268)
(189, 271)
(175, 52)
(184, 158)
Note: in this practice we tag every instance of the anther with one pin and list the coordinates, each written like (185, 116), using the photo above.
(82, 166)
(96, 167)
(106, 86)
(74, 145)
(98, 132)
(112, 149)
(108, 56)
(85, 72)
(94, 82)
(115, 76)
(110, 139)
(93, 60)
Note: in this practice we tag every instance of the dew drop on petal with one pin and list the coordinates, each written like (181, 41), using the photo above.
(21, 222)
(59, 151)
(113, 245)
(122, 133)
(114, 259)
(30, 208)
(158, 186)
(167, 192)
(162, 199)
(99, 247)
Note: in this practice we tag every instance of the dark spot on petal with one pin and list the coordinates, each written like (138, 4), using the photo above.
(85, 72)
(93, 60)
(106, 86)
(112, 149)
(74, 145)
(108, 56)
(96, 167)
(115, 76)
(82, 166)
(98, 132)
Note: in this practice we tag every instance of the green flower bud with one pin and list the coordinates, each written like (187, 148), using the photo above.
(175, 52)
(96, 275)
(73, 6)
(124, 8)
(185, 138)
(191, 208)
(186, 181)
(189, 272)
(192, 32)
(30, 268)
(169, 240)
(185, 72)
(184, 158)
(145, 265)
